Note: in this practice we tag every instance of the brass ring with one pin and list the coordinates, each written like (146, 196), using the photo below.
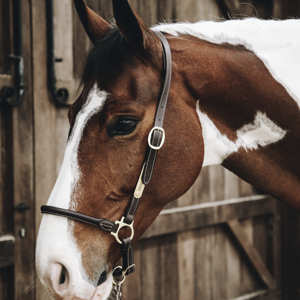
(123, 279)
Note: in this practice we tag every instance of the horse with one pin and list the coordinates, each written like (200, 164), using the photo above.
(233, 100)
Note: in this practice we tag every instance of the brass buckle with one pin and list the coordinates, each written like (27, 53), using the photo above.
(121, 225)
(162, 140)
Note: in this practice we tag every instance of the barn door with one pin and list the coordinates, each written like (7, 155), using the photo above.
(16, 155)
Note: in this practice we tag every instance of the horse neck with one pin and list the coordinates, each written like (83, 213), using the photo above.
(240, 107)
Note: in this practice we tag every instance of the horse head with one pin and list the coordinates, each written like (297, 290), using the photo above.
(108, 139)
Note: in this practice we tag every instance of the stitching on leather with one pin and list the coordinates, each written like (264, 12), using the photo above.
(106, 226)
(68, 217)
(152, 166)
(131, 204)
(136, 206)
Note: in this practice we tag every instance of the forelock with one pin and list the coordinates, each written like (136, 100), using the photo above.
(108, 58)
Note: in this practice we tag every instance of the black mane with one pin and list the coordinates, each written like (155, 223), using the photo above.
(108, 58)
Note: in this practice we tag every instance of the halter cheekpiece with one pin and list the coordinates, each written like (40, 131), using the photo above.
(156, 139)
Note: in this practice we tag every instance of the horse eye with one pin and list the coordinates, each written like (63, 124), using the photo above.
(122, 126)
(125, 125)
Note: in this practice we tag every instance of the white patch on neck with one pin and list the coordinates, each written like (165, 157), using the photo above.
(217, 146)
(275, 42)
(55, 243)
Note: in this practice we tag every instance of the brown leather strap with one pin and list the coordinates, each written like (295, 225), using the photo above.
(160, 111)
(127, 258)
(151, 154)
(104, 224)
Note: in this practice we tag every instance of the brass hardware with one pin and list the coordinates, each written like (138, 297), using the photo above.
(121, 225)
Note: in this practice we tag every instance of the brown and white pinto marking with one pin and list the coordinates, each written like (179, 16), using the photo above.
(234, 100)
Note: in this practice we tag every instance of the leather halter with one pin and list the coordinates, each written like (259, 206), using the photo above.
(155, 141)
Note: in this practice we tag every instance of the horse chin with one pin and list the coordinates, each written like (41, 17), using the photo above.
(104, 291)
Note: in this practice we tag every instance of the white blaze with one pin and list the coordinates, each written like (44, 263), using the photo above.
(55, 243)
(217, 146)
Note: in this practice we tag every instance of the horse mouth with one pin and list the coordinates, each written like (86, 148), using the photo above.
(105, 290)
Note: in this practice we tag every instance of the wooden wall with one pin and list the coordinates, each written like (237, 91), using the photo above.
(227, 242)
(202, 259)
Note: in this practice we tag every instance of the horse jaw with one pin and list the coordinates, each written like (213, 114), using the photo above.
(55, 243)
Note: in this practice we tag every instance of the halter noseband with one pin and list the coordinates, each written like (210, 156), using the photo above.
(156, 139)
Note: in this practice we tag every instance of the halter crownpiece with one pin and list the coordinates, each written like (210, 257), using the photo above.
(156, 140)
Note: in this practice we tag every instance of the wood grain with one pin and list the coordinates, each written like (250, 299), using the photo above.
(181, 220)
(7, 250)
(252, 253)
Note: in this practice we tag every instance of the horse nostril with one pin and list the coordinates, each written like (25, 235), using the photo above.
(62, 276)
(59, 277)
(102, 278)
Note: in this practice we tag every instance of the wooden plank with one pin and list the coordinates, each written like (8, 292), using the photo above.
(81, 44)
(168, 268)
(207, 214)
(252, 295)
(219, 281)
(233, 272)
(271, 295)
(166, 10)
(277, 243)
(186, 264)
(216, 183)
(44, 113)
(5, 37)
(5, 80)
(23, 150)
(218, 239)
(202, 270)
(187, 10)
(44, 118)
(7, 287)
(232, 6)
(7, 170)
(248, 280)
(252, 253)
(148, 11)
(291, 261)
(210, 10)
(246, 189)
(7, 250)
(262, 239)
(150, 270)
(277, 9)
(63, 38)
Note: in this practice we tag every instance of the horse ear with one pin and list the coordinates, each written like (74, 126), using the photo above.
(132, 27)
(93, 24)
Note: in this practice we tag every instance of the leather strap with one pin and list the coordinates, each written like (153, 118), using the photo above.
(151, 154)
(127, 258)
(161, 109)
(104, 224)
